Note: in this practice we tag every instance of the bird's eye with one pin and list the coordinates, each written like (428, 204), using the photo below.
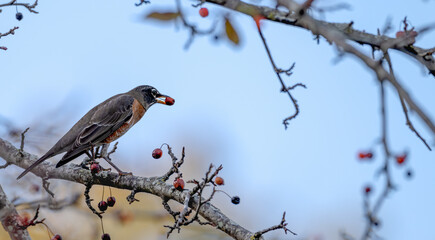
(154, 92)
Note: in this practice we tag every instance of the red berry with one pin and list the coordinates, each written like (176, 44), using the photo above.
(111, 201)
(24, 219)
(400, 34)
(169, 101)
(203, 12)
(179, 184)
(367, 189)
(157, 153)
(57, 237)
(105, 236)
(400, 159)
(95, 168)
(102, 206)
(219, 181)
(363, 155)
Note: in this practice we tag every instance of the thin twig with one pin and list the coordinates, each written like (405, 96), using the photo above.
(282, 225)
(10, 32)
(46, 186)
(278, 74)
(29, 6)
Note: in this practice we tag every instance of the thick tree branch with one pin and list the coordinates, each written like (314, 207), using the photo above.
(10, 219)
(152, 185)
(424, 56)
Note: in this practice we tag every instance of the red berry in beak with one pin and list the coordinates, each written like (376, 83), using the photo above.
(157, 153)
(111, 201)
(169, 101)
(179, 184)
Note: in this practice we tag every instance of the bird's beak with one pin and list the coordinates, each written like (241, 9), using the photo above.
(163, 99)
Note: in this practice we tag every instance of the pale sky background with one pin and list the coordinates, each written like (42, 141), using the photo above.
(229, 110)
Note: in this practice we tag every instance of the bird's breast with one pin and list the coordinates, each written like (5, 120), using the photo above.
(137, 113)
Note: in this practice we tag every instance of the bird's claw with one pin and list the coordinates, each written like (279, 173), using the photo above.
(125, 173)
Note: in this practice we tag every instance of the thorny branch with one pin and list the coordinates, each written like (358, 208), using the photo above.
(88, 200)
(284, 88)
(152, 185)
(29, 6)
(340, 34)
(197, 191)
(22, 140)
(282, 225)
(10, 32)
(175, 163)
(402, 102)
(371, 213)
(34, 220)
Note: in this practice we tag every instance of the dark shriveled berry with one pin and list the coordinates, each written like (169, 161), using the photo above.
(111, 201)
(102, 206)
(57, 237)
(105, 236)
(19, 16)
(235, 200)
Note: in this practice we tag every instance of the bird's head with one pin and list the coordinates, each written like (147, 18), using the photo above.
(148, 95)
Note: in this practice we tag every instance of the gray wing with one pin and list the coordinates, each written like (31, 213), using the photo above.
(106, 119)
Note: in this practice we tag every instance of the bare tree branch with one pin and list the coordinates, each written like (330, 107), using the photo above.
(152, 185)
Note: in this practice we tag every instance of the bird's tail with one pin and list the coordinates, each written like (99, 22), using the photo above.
(33, 165)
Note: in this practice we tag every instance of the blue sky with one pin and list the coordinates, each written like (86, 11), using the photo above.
(229, 110)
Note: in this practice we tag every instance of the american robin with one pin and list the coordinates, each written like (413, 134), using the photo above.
(104, 124)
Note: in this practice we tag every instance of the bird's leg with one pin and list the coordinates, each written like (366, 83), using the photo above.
(103, 151)
(93, 153)
(97, 152)
(87, 161)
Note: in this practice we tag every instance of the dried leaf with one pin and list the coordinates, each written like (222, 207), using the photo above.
(163, 16)
(231, 32)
